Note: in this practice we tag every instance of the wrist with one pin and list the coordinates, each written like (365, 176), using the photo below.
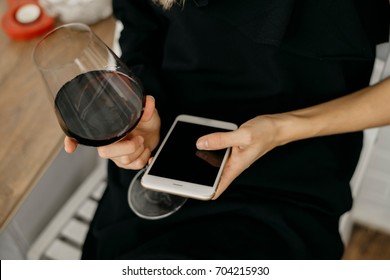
(290, 127)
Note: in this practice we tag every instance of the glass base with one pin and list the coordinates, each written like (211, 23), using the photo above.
(151, 205)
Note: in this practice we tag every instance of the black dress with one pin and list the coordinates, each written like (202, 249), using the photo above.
(233, 60)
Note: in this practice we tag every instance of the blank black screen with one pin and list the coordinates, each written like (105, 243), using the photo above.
(181, 160)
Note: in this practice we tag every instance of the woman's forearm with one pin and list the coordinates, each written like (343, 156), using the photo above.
(369, 107)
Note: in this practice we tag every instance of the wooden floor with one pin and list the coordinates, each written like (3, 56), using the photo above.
(368, 244)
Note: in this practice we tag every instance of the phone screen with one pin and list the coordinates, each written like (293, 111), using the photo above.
(179, 159)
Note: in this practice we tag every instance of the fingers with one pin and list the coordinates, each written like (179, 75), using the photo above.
(131, 152)
(231, 171)
(127, 153)
(70, 145)
(135, 161)
(120, 148)
(221, 140)
(237, 139)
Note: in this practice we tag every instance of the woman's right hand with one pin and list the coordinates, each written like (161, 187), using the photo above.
(134, 150)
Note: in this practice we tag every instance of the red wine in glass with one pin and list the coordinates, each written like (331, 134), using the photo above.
(99, 107)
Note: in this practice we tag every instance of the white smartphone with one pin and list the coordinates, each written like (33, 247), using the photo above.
(180, 168)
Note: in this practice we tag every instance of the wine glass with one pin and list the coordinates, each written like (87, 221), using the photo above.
(151, 205)
(97, 99)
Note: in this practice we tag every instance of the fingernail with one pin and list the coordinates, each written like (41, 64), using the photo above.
(152, 97)
(202, 144)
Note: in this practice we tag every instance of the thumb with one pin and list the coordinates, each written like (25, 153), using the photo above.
(219, 140)
(150, 105)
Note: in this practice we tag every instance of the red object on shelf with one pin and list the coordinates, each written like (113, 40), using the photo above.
(23, 20)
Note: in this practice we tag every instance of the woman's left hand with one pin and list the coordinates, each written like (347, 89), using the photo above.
(252, 140)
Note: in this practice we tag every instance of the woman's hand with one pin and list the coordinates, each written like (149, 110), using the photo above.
(363, 109)
(133, 151)
(249, 142)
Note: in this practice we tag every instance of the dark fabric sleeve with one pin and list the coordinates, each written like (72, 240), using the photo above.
(141, 42)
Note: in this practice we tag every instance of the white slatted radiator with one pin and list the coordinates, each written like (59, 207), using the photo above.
(63, 237)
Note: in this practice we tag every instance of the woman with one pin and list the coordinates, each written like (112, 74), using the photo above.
(247, 63)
